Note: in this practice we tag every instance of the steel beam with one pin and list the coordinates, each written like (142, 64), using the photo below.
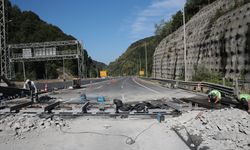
(12, 91)
(4, 53)
(44, 58)
(6, 81)
(84, 107)
(50, 107)
(43, 44)
(18, 107)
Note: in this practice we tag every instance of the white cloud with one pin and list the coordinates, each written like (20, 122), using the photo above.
(144, 23)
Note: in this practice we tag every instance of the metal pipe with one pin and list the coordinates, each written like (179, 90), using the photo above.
(146, 60)
(63, 71)
(185, 47)
(24, 74)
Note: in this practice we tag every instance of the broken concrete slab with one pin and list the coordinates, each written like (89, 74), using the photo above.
(228, 126)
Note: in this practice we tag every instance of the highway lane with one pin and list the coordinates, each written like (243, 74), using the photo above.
(61, 85)
(126, 89)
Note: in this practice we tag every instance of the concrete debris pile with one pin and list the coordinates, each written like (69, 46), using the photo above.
(219, 129)
(20, 124)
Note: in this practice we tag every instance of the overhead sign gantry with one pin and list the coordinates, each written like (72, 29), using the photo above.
(47, 51)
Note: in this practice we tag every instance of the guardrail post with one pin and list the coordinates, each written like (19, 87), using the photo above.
(236, 89)
(224, 81)
(177, 84)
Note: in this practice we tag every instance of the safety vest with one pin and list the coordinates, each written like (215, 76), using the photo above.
(216, 92)
(245, 96)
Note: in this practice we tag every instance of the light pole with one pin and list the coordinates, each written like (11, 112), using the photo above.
(146, 60)
(140, 61)
(64, 78)
(185, 47)
(24, 72)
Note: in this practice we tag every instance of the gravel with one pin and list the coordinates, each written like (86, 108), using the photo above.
(24, 123)
(219, 129)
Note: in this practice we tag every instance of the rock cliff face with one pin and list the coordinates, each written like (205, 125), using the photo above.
(218, 37)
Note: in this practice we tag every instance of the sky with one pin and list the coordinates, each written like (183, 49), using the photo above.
(106, 27)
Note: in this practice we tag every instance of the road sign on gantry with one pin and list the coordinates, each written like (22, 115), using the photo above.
(141, 73)
(103, 73)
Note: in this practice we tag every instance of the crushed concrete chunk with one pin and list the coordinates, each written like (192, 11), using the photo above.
(23, 123)
(219, 129)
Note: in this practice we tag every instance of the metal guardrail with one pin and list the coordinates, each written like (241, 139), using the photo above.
(189, 85)
(245, 84)
(244, 81)
(66, 84)
(224, 89)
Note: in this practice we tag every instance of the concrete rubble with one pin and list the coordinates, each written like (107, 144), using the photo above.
(20, 124)
(213, 129)
(218, 129)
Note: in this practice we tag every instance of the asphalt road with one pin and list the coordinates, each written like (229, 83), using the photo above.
(106, 133)
(126, 89)
(61, 85)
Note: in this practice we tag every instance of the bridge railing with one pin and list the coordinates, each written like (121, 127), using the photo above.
(245, 84)
(198, 86)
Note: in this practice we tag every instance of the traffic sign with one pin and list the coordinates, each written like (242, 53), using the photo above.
(103, 73)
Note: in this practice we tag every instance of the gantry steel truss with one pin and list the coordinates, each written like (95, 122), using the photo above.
(16, 54)
(4, 53)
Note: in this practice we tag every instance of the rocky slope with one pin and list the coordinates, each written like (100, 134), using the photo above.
(218, 37)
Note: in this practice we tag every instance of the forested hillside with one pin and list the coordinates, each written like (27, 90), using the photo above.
(26, 27)
(133, 59)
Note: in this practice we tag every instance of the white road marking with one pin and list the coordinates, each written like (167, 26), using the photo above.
(123, 83)
(95, 83)
(146, 87)
(72, 99)
(123, 98)
(99, 87)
